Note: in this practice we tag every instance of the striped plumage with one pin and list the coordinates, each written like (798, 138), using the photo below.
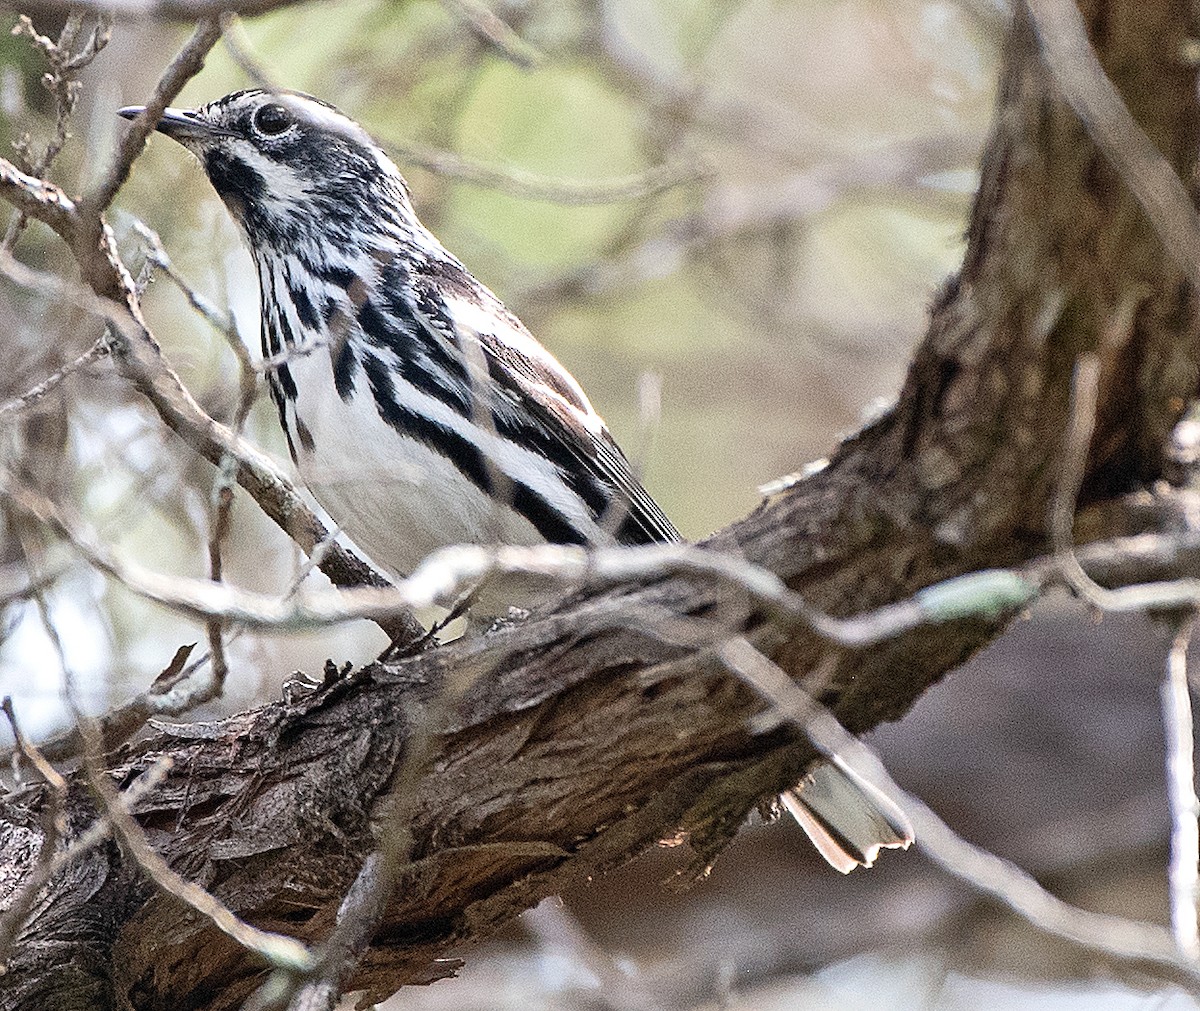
(419, 411)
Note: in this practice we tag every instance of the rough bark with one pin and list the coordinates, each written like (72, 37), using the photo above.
(579, 737)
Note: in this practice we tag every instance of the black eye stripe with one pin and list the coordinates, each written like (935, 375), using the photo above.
(272, 120)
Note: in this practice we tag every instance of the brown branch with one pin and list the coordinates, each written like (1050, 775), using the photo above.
(186, 65)
(140, 360)
(35, 393)
(168, 10)
(492, 30)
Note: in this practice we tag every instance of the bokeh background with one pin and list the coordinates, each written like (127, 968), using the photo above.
(727, 219)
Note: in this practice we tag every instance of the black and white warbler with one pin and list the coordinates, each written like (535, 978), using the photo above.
(419, 411)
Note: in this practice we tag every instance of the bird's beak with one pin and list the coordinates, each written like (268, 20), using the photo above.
(182, 125)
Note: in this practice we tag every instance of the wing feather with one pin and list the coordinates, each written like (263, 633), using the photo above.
(459, 309)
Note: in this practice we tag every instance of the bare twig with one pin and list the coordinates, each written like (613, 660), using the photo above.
(33, 584)
(222, 493)
(1184, 870)
(183, 68)
(1115, 936)
(13, 918)
(215, 627)
(176, 689)
(444, 574)
(65, 64)
(1183, 593)
(237, 45)
(141, 360)
(491, 29)
(32, 753)
(98, 831)
(222, 322)
(170, 10)
(364, 907)
(276, 950)
(1085, 387)
(38, 199)
(35, 393)
(571, 192)
(172, 692)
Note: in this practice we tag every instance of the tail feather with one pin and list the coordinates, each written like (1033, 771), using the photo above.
(847, 819)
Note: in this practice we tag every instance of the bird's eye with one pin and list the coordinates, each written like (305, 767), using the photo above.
(272, 120)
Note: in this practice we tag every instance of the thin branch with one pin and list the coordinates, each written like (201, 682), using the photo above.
(518, 182)
(62, 83)
(1127, 940)
(174, 691)
(1176, 594)
(141, 360)
(233, 36)
(1184, 870)
(785, 136)
(33, 585)
(13, 918)
(278, 950)
(222, 505)
(1085, 387)
(32, 753)
(491, 29)
(38, 199)
(364, 908)
(169, 10)
(159, 259)
(35, 393)
(222, 493)
(446, 573)
(171, 692)
(183, 68)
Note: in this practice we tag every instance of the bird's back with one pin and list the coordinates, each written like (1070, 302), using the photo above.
(420, 413)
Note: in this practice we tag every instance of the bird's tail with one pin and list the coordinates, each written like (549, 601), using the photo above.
(847, 819)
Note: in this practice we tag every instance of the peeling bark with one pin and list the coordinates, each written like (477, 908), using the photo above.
(579, 738)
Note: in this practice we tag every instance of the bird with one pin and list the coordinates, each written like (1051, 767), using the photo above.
(418, 410)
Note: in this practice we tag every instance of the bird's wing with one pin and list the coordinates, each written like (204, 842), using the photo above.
(536, 385)
(539, 403)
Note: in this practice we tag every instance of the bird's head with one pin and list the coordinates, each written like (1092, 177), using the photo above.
(285, 163)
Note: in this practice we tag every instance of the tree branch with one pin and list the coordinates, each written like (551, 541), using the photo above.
(582, 736)
(139, 359)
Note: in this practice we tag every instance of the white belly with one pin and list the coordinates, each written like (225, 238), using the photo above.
(394, 497)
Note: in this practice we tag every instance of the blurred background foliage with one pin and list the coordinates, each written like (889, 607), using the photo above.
(727, 219)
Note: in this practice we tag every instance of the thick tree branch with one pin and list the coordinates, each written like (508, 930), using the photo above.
(580, 737)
